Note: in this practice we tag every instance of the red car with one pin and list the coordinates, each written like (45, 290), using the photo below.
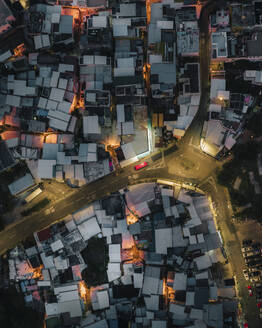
(140, 166)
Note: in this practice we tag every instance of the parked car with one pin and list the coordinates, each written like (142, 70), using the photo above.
(247, 242)
(255, 278)
(256, 245)
(252, 252)
(246, 249)
(252, 258)
(246, 275)
(254, 269)
(141, 165)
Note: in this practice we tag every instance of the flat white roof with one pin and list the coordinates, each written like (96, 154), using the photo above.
(50, 151)
(180, 281)
(124, 71)
(163, 240)
(38, 42)
(54, 79)
(58, 124)
(73, 307)
(167, 25)
(57, 94)
(45, 168)
(57, 245)
(65, 288)
(203, 262)
(89, 228)
(113, 271)
(99, 21)
(151, 280)
(51, 309)
(216, 85)
(6, 55)
(125, 62)
(91, 125)
(13, 100)
(103, 299)
(128, 150)
(68, 296)
(114, 253)
(138, 280)
(84, 214)
(190, 298)
(21, 184)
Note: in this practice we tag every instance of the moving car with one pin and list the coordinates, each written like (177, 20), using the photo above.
(141, 165)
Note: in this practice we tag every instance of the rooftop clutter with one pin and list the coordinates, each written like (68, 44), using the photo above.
(162, 255)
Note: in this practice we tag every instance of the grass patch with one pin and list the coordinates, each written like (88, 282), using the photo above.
(37, 207)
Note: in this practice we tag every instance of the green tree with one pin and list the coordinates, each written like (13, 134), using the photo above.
(247, 152)
(227, 173)
(255, 123)
(14, 313)
(96, 258)
(237, 198)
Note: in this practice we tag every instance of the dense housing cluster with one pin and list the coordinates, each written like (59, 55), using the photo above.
(164, 258)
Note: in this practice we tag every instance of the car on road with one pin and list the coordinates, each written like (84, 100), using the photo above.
(246, 275)
(247, 242)
(250, 292)
(255, 276)
(252, 252)
(252, 258)
(256, 246)
(246, 249)
(141, 165)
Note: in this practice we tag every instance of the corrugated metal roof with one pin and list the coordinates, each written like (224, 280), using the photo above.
(57, 94)
(21, 184)
(38, 42)
(99, 21)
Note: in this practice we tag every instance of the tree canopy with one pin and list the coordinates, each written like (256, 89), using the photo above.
(14, 313)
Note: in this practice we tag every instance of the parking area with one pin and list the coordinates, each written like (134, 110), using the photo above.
(252, 255)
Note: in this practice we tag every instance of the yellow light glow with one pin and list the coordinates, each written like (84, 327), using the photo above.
(83, 289)
(37, 272)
